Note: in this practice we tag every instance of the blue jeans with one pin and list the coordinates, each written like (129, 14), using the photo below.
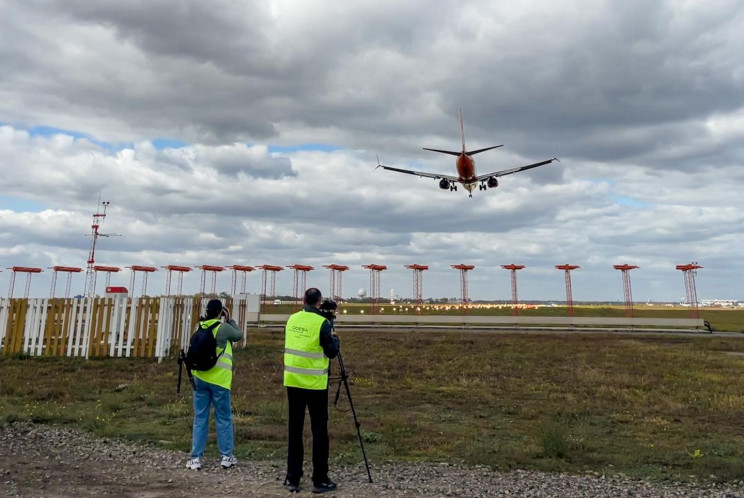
(205, 395)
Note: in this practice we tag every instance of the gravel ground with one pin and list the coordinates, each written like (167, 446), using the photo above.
(38, 460)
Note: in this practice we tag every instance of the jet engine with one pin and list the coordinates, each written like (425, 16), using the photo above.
(493, 182)
(444, 184)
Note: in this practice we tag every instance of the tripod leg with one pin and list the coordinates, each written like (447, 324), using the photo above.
(353, 412)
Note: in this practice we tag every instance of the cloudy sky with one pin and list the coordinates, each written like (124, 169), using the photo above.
(246, 132)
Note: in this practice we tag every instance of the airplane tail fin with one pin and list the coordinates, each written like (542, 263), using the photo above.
(464, 150)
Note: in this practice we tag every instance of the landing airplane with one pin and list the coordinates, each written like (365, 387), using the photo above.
(466, 169)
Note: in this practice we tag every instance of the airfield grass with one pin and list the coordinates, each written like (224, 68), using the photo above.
(652, 406)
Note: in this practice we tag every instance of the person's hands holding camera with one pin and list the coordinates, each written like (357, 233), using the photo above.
(226, 313)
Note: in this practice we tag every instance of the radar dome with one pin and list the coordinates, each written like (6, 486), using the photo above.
(361, 293)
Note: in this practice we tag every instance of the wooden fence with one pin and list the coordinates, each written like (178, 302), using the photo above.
(117, 326)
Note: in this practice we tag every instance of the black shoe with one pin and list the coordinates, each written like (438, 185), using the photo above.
(322, 487)
(291, 487)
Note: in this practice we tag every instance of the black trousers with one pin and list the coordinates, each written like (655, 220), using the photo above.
(316, 402)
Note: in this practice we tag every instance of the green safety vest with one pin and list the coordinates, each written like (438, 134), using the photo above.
(220, 374)
(305, 364)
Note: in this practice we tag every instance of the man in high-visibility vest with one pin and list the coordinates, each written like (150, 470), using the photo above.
(212, 387)
(308, 344)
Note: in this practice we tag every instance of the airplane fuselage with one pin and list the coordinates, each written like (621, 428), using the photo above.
(466, 172)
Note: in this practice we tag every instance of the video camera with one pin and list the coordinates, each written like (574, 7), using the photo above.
(328, 309)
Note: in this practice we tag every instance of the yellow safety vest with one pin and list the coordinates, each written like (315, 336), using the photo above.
(305, 364)
(220, 374)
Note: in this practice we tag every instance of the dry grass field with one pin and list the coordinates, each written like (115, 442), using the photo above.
(655, 406)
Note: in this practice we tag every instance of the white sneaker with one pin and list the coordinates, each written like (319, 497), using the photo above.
(228, 461)
(194, 464)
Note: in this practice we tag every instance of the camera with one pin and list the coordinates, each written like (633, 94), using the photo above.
(328, 309)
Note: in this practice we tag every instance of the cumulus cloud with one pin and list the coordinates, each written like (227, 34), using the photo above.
(641, 103)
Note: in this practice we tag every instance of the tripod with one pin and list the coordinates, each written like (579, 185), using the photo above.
(343, 380)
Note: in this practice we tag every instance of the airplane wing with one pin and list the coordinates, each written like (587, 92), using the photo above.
(514, 170)
(436, 176)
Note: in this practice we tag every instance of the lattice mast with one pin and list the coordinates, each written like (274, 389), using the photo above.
(98, 219)
(145, 270)
(627, 290)
(300, 281)
(21, 269)
(64, 269)
(243, 270)
(418, 286)
(374, 285)
(108, 270)
(214, 270)
(464, 290)
(690, 272)
(180, 270)
(267, 270)
(513, 269)
(336, 287)
(569, 291)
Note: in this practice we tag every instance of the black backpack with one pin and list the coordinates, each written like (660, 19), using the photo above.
(202, 353)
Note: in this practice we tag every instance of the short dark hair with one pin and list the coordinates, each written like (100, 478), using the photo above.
(313, 296)
(214, 308)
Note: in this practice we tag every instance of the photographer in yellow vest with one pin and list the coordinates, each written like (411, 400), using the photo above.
(212, 387)
(309, 343)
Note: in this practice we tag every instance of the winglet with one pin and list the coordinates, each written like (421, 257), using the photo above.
(378, 160)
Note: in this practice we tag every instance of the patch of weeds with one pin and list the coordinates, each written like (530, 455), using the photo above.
(371, 437)
(10, 419)
(555, 441)
(175, 411)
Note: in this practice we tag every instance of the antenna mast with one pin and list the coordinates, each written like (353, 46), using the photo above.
(98, 219)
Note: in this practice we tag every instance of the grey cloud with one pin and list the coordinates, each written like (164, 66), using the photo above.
(642, 101)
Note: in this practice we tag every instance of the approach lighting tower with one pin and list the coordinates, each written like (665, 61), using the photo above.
(569, 291)
(98, 219)
(627, 291)
(145, 270)
(209, 268)
(108, 270)
(243, 270)
(690, 271)
(300, 281)
(65, 269)
(464, 290)
(513, 269)
(336, 288)
(273, 269)
(374, 285)
(21, 269)
(179, 284)
(418, 287)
